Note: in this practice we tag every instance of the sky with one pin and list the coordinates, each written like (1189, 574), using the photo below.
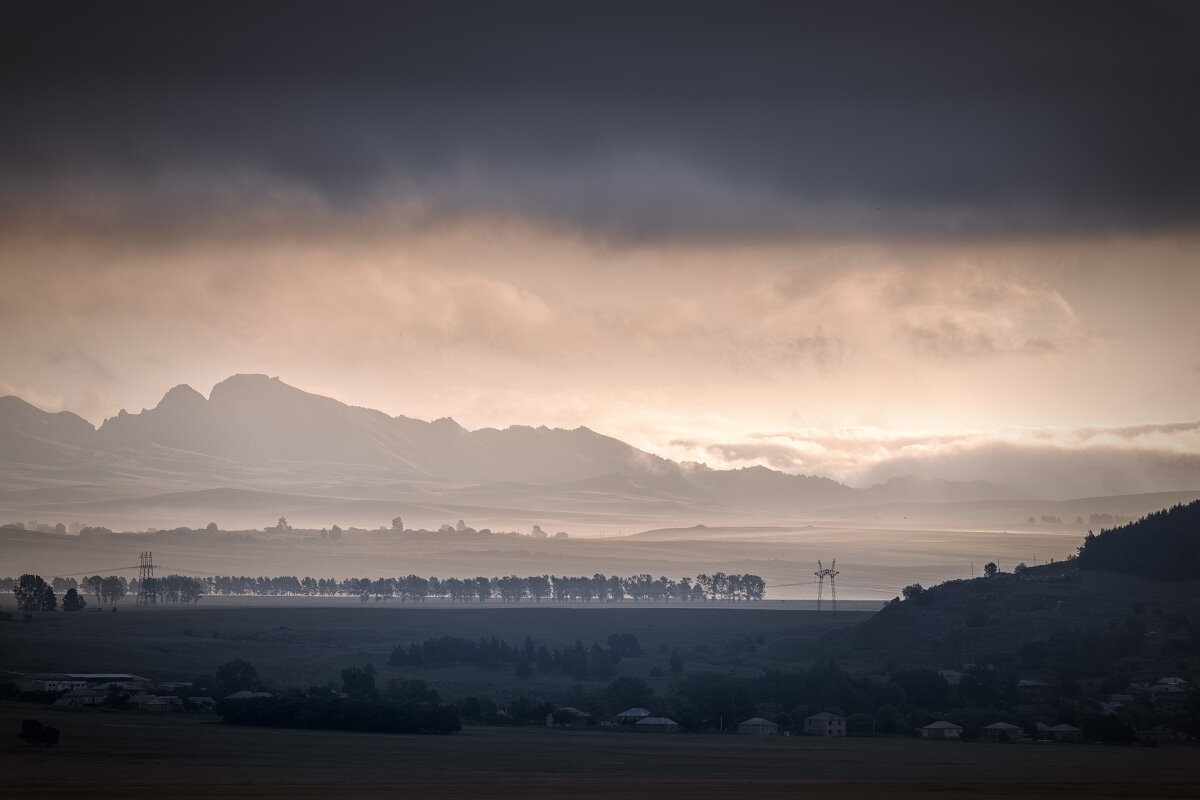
(852, 239)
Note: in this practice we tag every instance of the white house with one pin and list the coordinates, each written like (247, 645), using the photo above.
(825, 724)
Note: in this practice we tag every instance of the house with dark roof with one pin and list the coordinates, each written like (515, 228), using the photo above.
(757, 726)
(1002, 732)
(941, 730)
(657, 725)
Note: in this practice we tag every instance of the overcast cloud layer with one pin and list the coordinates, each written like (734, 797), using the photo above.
(850, 239)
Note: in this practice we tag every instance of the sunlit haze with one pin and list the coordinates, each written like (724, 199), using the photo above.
(931, 260)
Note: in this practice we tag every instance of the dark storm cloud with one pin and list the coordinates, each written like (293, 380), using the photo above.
(639, 119)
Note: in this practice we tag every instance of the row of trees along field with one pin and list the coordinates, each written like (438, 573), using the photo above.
(511, 588)
(33, 593)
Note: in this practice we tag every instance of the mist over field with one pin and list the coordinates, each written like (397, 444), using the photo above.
(257, 449)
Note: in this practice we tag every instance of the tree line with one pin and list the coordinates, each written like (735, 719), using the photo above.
(33, 593)
(510, 588)
(577, 661)
(404, 706)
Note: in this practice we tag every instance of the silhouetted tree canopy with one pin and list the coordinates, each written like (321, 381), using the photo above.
(1164, 545)
(34, 594)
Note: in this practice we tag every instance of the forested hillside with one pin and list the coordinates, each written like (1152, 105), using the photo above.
(1164, 545)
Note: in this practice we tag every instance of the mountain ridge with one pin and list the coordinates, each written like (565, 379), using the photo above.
(261, 434)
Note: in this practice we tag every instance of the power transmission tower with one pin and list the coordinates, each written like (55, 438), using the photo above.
(147, 585)
(822, 573)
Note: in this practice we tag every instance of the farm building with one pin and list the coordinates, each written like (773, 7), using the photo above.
(758, 727)
(825, 724)
(48, 682)
(83, 696)
(657, 725)
(941, 730)
(1001, 732)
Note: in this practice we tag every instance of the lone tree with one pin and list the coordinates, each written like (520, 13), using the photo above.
(397, 524)
(72, 601)
(33, 732)
(34, 594)
(990, 570)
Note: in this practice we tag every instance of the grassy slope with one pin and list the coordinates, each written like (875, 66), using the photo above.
(1017, 609)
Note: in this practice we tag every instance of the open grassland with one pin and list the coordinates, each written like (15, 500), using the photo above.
(122, 754)
(306, 646)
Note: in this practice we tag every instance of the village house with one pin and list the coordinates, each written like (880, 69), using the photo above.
(1002, 732)
(825, 724)
(632, 715)
(758, 726)
(1169, 692)
(657, 725)
(161, 704)
(48, 682)
(941, 730)
(81, 697)
(1059, 733)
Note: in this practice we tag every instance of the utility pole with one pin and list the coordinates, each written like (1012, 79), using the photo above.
(822, 573)
(147, 586)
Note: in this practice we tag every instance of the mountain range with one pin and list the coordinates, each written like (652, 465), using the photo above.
(257, 447)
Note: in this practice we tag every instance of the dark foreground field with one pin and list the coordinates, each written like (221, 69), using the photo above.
(123, 754)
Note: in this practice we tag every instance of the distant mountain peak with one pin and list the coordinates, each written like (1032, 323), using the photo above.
(181, 396)
(448, 424)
